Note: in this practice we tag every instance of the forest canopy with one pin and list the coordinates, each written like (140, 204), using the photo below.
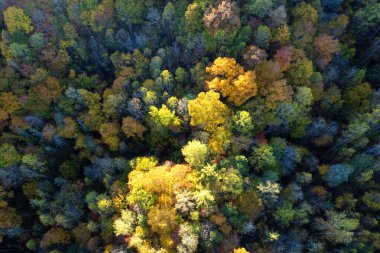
(231, 126)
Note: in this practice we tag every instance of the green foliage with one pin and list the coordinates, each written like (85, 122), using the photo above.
(259, 8)
(262, 36)
(285, 214)
(372, 200)
(130, 11)
(262, 158)
(189, 126)
(338, 228)
(195, 153)
(8, 155)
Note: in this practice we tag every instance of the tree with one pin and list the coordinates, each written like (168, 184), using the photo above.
(220, 140)
(368, 16)
(282, 35)
(9, 219)
(321, 132)
(189, 239)
(225, 16)
(331, 4)
(65, 207)
(278, 16)
(55, 235)
(250, 204)
(229, 78)
(9, 102)
(50, 90)
(8, 155)
(160, 191)
(16, 20)
(372, 200)
(304, 97)
(240, 250)
(207, 111)
(195, 153)
(132, 128)
(278, 91)
(283, 57)
(231, 182)
(357, 98)
(259, 8)
(112, 104)
(338, 25)
(143, 163)
(338, 228)
(243, 123)
(81, 234)
(338, 173)
(193, 17)
(253, 55)
(324, 47)
(262, 36)
(267, 72)
(164, 118)
(168, 15)
(262, 158)
(305, 17)
(300, 72)
(110, 135)
(185, 202)
(130, 11)
(94, 118)
(285, 214)
(269, 191)
(162, 221)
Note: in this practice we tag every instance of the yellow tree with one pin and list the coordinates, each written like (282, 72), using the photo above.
(240, 250)
(220, 140)
(15, 19)
(155, 190)
(163, 117)
(207, 111)
(229, 78)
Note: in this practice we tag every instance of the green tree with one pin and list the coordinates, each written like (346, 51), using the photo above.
(8, 155)
(262, 158)
(262, 36)
(126, 223)
(195, 153)
(259, 8)
(337, 228)
(372, 200)
(285, 214)
(243, 123)
(130, 11)
(193, 17)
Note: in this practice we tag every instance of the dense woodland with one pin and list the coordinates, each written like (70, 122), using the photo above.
(190, 126)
